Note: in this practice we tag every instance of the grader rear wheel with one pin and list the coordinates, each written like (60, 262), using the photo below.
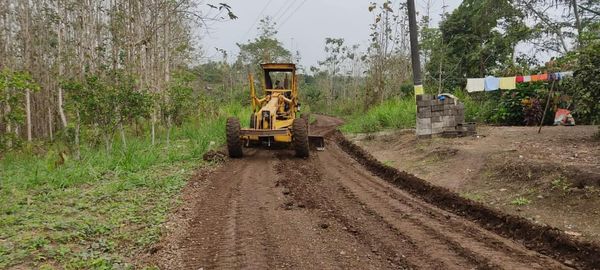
(306, 118)
(300, 137)
(234, 143)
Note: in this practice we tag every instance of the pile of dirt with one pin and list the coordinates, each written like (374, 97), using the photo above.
(215, 156)
(520, 170)
(544, 239)
(507, 168)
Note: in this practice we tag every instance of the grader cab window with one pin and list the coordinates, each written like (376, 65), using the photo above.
(278, 80)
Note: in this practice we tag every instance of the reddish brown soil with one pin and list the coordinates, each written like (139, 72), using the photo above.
(272, 210)
(557, 172)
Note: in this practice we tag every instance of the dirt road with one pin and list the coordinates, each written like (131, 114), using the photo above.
(272, 210)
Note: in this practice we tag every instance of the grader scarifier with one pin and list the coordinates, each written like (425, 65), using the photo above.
(275, 117)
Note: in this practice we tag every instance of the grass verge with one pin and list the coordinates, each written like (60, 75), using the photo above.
(391, 114)
(103, 210)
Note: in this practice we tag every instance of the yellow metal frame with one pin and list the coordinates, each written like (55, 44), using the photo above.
(273, 101)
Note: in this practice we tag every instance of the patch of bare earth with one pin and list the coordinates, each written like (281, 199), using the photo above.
(550, 178)
(341, 209)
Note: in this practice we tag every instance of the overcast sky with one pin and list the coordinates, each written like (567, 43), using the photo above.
(303, 24)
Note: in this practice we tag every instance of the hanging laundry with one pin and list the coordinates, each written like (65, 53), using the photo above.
(536, 78)
(475, 85)
(508, 83)
(554, 76)
(491, 83)
(519, 79)
(544, 77)
(526, 78)
(566, 74)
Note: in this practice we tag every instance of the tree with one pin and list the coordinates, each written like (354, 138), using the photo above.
(336, 55)
(387, 55)
(264, 48)
(480, 38)
(587, 87)
(178, 102)
(129, 47)
(561, 25)
(14, 88)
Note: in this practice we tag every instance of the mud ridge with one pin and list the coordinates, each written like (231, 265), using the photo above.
(541, 238)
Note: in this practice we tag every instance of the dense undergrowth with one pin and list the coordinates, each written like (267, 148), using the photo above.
(391, 114)
(105, 209)
(524, 106)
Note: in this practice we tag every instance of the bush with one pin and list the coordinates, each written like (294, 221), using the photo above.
(524, 106)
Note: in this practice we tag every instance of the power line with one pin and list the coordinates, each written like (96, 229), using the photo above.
(279, 16)
(257, 18)
(291, 15)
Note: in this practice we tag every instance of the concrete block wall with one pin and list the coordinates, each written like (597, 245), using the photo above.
(435, 116)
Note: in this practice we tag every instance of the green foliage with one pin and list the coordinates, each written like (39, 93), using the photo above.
(104, 210)
(560, 183)
(479, 107)
(179, 101)
(587, 85)
(13, 85)
(520, 201)
(479, 38)
(265, 48)
(524, 106)
(393, 113)
(107, 101)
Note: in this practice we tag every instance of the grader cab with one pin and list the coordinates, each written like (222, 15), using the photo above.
(275, 116)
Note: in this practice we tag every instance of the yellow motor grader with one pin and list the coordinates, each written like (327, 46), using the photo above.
(275, 116)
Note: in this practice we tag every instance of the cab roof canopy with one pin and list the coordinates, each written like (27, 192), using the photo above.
(281, 67)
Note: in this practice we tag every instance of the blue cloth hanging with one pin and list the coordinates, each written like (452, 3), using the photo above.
(491, 83)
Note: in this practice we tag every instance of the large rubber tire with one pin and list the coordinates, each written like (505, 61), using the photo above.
(306, 118)
(234, 143)
(300, 137)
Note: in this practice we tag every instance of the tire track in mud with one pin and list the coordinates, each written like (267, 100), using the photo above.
(339, 209)
(435, 225)
(543, 239)
(359, 201)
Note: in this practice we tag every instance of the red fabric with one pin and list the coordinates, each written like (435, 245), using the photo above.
(520, 79)
(544, 77)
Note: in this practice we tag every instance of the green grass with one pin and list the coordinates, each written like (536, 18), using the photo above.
(99, 212)
(561, 183)
(520, 201)
(391, 114)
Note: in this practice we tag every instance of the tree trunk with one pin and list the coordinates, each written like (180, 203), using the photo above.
(122, 131)
(61, 32)
(153, 126)
(169, 131)
(50, 124)
(28, 112)
(577, 21)
(77, 131)
(107, 142)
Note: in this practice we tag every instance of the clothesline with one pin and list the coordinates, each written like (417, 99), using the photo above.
(491, 83)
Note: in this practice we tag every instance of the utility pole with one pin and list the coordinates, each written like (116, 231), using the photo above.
(414, 47)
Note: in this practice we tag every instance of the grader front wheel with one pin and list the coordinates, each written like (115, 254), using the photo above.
(300, 137)
(234, 144)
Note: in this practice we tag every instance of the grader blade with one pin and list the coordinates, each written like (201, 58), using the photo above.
(317, 142)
